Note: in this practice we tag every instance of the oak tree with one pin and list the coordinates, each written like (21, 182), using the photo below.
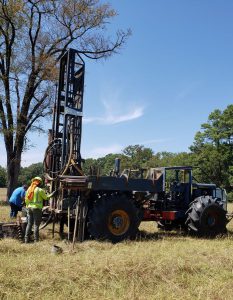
(213, 148)
(33, 36)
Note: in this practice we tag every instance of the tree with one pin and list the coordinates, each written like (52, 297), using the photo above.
(107, 163)
(166, 159)
(138, 156)
(27, 173)
(33, 36)
(102, 165)
(2, 177)
(89, 163)
(213, 148)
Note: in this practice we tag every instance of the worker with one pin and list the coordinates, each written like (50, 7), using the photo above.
(34, 203)
(17, 200)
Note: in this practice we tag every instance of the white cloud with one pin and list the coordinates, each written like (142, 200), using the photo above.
(116, 109)
(115, 119)
(131, 115)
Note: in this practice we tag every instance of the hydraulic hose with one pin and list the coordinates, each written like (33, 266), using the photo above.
(47, 221)
(49, 147)
(71, 149)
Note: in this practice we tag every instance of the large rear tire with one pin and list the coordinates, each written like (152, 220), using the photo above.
(114, 218)
(206, 217)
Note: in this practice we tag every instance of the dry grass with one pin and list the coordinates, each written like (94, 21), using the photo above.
(166, 268)
(4, 207)
(160, 266)
(2, 194)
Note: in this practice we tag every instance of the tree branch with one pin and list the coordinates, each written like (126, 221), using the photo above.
(2, 115)
(35, 118)
(37, 106)
(33, 40)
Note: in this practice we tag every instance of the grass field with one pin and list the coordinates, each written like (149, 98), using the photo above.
(157, 266)
(2, 194)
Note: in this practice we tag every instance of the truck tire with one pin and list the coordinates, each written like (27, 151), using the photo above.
(206, 217)
(114, 218)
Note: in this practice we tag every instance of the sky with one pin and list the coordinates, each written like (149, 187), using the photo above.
(175, 69)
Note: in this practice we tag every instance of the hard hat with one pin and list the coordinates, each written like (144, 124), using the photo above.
(37, 178)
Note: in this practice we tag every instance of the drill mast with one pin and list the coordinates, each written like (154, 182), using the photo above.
(63, 153)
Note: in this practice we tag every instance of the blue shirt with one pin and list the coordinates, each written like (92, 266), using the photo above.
(18, 196)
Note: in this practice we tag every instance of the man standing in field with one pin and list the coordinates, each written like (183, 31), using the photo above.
(34, 202)
(17, 200)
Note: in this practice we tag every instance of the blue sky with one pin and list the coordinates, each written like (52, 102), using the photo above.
(176, 68)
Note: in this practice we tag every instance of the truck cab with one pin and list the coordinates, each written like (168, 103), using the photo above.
(188, 203)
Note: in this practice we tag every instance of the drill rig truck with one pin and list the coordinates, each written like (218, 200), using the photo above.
(112, 207)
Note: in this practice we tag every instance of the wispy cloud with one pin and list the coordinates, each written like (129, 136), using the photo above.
(110, 118)
(116, 109)
(188, 90)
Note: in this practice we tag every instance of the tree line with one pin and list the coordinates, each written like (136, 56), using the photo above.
(211, 152)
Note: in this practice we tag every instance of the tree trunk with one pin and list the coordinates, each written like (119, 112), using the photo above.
(13, 168)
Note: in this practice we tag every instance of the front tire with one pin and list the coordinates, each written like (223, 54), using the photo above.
(113, 218)
(206, 217)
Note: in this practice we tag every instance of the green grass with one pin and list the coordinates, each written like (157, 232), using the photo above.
(159, 266)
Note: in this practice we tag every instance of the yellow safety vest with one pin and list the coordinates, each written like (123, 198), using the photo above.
(37, 200)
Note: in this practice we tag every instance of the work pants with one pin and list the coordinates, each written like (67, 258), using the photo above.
(34, 217)
(14, 210)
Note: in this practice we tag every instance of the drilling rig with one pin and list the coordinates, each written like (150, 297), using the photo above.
(112, 207)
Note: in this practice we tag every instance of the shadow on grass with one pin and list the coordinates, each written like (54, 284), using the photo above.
(143, 235)
(4, 203)
(181, 235)
(147, 236)
(229, 233)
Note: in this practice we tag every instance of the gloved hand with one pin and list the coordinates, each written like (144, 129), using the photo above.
(54, 193)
